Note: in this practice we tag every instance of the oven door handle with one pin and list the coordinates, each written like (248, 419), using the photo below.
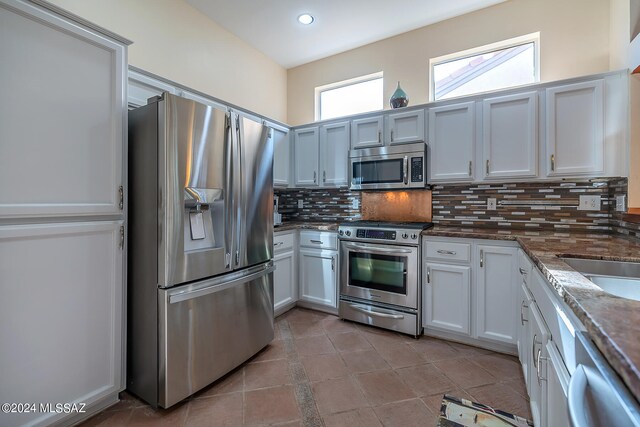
(375, 313)
(368, 248)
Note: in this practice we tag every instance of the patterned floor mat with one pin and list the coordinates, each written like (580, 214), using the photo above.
(456, 412)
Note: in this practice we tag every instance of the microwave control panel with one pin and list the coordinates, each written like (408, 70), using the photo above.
(417, 169)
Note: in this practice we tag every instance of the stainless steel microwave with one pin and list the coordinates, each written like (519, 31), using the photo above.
(394, 167)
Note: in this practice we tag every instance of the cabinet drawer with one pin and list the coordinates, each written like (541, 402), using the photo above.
(448, 251)
(282, 241)
(319, 239)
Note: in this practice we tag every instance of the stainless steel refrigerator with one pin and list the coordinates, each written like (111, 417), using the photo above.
(200, 298)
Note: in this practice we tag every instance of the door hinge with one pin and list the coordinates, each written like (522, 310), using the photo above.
(122, 237)
(121, 197)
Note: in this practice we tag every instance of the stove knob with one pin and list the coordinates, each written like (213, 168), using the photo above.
(348, 233)
(405, 236)
(341, 232)
(414, 236)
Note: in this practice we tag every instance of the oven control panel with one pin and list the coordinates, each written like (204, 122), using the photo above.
(364, 233)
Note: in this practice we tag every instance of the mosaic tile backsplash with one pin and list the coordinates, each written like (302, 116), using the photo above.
(550, 205)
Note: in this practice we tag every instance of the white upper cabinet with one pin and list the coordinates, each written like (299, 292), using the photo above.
(366, 133)
(405, 127)
(334, 154)
(142, 87)
(497, 293)
(575, 129)
(281, 155)
(510, 136)
(49, 165)
(452, 135)
(447, 297)
(306, 146)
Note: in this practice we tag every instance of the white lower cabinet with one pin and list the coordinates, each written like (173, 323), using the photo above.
(447, 296)
(319, 277)
(524, 298)
(557, 378)
(285, 286)
(537, 347)
(496, 287)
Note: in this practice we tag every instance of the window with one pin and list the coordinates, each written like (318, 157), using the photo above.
(353, 96)
(513, 62)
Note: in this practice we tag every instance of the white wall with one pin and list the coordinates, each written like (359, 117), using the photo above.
(574, 41)
(176, 41)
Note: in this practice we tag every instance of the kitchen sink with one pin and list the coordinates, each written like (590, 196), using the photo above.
(614, 277)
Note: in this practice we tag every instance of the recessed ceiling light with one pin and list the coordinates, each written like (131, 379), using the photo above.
(305, 19)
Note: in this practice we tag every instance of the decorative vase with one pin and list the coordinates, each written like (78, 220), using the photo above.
(399, 98)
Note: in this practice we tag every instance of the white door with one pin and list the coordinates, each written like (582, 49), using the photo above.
(497, 290)
(281, 156)
(142, 87)
(319, 277)
(367, 132)
(557, 379)
(284, 285)
(524, 301)
(334, 154)
(575, 123)
(50, 73)
(538, 337)
(61, 313)
(405, 127)
(447, 295)
(510, 136)
(307, 150)
(452, 136)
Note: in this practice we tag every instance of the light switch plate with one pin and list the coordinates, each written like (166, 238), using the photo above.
(621, 203)
(355, 203)
(589, 203)
(300, 204)
(491, 204)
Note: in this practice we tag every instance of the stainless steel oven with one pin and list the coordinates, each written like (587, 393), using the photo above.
(380, 274)
(394, 167)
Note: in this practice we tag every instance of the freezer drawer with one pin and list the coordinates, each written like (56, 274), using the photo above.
(211, 327)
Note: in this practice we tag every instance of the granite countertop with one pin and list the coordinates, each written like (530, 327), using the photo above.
(302, 225)
(612, 322)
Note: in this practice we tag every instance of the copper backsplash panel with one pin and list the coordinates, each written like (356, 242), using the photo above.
(405, 206)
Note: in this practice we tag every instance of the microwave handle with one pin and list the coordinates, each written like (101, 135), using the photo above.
(406, 170)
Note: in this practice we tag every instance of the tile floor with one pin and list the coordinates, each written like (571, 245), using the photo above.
(322, 371)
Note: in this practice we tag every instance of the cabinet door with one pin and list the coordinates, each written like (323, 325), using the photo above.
(523, 332)
(62, 116)
(319, 277)
(496, 293)
(510, 136)
(405, 127)
(62, 313)
(447, 297)
(281, 156)
(557, 379)
(575, 123)
(142, 87)
(452, 136)
(284, 284)
(307, 149)
(367, 132)
(334, 154)
(538, 337)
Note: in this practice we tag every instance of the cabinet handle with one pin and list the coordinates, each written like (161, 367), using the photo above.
(379, 137)
(391, 136)
(315, 174)
(333, 264)
(539, 358)
(533, 350)
(470, 167)
(522, 319)
(324, 176)
(522, 271)
(275, 245)
(443, 252)
(487, 166)
(317, 242)
(481, 258)
(428, 274)
(553, 162)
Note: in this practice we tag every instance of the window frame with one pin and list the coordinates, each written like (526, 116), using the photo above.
(344, 83)
(501, 45)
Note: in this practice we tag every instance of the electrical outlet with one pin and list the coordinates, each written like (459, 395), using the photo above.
(300, 204)
(491, 204)
(589, 203)
(355, 204)
(621, 203)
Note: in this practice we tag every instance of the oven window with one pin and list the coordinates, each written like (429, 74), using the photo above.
(381, 272)
(377, 171)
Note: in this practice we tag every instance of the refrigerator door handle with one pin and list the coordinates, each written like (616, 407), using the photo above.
(230, 196)
(218, 287)
(239, 196)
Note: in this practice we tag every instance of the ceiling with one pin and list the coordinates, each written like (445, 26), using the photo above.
(271, 26)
